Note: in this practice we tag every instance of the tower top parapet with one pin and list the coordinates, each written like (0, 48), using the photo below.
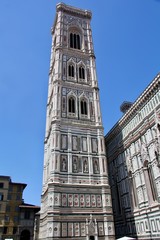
(74, 11)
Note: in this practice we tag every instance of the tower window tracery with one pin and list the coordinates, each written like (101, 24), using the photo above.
(83, 107)
(81, 72)
(75, 41)
(71, 105)
(71, 71)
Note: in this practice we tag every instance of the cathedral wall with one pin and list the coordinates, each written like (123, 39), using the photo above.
(133, 153)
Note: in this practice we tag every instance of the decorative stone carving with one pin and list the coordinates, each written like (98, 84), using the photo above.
(94, 145)
(85, 164)
(95, 165)
(100, 229)
(76, 200)
(82, 201)
(70, 200)
(84, 144)
(129, 163)
(64, 200)
(56, 229)
(70, 230)
(144, 153)
(99, 201)
(88, 200)
(64, 229)
(64, 141)
(83, 229)
(91, 227)
(56, 199)
(64, 163)
(76, 229)
(75, 166)
(108, 200)
(74, 143)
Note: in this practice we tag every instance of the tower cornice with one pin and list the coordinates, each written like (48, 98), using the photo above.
(71, 52)
(71, 10)
(74, 11)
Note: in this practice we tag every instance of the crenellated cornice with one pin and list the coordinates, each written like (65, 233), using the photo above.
(74, 11)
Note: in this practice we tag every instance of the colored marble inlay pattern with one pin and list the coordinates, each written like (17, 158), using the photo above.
(81, 200)
(76, 229)
(83, 229)
(76, 200)
(64, 200)
(93, 201)
(70, 230)
(100, 229)
(88, 200)
(64, 229)
(70, 200)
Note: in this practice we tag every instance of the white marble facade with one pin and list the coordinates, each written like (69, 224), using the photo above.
(76, 200)
(133, 153)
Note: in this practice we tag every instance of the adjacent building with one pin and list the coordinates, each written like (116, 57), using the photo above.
(16, 217)
(133, 155)
(76, 198)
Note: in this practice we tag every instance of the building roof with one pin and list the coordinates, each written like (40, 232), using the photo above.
(10, 181)
(6, 177)
(15, 183)
(29, 206)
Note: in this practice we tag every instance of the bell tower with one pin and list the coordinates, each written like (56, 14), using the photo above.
(76, 199)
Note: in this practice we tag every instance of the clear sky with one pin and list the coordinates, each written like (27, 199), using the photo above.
(126, 36)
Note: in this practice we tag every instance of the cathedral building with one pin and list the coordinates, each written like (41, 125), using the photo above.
(133, 156)
(76, 199)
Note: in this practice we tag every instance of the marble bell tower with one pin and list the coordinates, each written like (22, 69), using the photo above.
(76, 198)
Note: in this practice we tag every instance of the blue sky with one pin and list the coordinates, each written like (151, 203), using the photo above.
(126, 36)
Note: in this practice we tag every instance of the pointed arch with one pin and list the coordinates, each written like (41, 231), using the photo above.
(82, 72)
(71, 70)
(71, 67)
(72, 105)
(84, 107)
(75, 36)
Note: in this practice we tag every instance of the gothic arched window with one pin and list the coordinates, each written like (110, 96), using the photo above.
(81, 72)
(71, 71)
(83, 107)
(75, 41)
(71, 105)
